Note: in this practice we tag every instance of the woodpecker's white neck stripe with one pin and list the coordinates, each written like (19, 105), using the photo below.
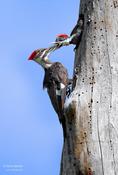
(59, 91)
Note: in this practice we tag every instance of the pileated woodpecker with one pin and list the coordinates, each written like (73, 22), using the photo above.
(75, 36)
(61, 37)
(55, 80)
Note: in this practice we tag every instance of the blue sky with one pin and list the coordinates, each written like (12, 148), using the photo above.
(30, 134)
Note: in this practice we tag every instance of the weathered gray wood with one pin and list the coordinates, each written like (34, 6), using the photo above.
(91, 146)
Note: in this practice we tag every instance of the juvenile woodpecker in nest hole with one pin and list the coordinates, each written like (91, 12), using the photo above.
(55, 80)
(75, 36)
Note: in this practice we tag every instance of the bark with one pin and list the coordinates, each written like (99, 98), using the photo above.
(91, 145)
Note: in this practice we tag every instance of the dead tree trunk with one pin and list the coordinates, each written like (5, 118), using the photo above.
(91, 146)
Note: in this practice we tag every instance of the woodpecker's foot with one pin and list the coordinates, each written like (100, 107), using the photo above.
(69, 88)
(75, 77)
(68, 91)
(76, 70)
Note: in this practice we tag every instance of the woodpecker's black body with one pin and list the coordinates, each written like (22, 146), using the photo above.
(56, 81)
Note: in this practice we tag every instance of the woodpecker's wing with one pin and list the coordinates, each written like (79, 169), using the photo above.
(56, 102)
(56, 80)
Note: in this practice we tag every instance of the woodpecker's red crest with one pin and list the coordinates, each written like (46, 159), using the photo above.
(61, 37)
(65, 36)
(33, 55)
(37, 53)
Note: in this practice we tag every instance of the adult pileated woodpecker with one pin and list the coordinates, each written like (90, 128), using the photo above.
(75, 36)
(55, 80)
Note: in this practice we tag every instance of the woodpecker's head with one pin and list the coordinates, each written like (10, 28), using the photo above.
(41, 57)
(36, 54)
(61, 37)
